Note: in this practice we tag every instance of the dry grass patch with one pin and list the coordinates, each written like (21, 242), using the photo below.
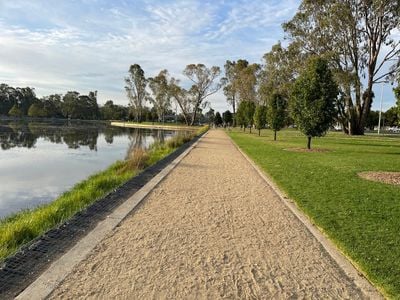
(307, 150)
(380, 176)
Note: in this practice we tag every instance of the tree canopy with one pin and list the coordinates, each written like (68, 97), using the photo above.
(260, 118)
(135, 88)
(350, 35)
(276, 112)
(313, 99)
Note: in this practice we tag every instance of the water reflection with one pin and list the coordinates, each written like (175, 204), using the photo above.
(39, 161)
(74, 135)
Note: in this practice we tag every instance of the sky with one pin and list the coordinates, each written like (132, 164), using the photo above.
(86, 45)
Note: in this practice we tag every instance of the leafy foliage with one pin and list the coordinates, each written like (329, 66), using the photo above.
(260, 118)
(397, 95)
(161, 94)
(313, 99)
(227, 117)
(276, 112)
(135, 88)
(15, 111)
(351, 36)
(218, 119)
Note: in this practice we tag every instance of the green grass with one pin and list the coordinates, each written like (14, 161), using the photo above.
(362, 217)
(20, 228)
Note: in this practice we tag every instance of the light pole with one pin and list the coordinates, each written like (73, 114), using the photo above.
(380, 112)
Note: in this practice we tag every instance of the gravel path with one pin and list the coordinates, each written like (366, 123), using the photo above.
(212, 229)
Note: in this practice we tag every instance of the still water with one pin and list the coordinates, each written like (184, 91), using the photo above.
(40, 160)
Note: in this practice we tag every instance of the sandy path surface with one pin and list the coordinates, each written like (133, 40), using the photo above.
(212, 229)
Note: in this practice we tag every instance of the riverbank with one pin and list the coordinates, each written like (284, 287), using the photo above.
(21, 228)
(156, 126)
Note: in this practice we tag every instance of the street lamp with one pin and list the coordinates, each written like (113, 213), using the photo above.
(380, 111)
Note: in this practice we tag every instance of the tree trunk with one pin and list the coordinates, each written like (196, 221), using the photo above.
(250, 128)
(309, 142)
(234, 111)
(274, 135)
(259, 132)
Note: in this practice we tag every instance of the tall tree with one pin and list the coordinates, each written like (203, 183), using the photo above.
(210, 116)
(227, 117)
(247, 83)
(161, 94)
(204, 84)
(397, 95)
(279, 71)
(391, 117)
(231, 81)
(313, 99)
(135, 88)
(6, 98)
(351, 34)
(249, 110)
(218, 119)
(276, 112)
(241, 115)
(184, 100)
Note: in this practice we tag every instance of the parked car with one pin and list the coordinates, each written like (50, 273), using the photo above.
(394, 129)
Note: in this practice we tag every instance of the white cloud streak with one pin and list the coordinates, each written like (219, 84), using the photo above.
(65, 46)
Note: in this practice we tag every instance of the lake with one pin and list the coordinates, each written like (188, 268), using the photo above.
(41, 160)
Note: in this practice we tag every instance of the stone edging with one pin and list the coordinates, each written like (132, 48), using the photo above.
(349, 268)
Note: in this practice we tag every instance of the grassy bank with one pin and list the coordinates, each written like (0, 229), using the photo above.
(362, 217)
(20, 228)
(156, 125)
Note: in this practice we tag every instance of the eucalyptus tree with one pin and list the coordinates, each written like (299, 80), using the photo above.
(161, 93)
(280, 68)
(397, 95)
(204, 83)
(183, 98)
(135, 88)
(21, 98)
(247, 83)
(231, 82)
(358, 39)
(313, 99)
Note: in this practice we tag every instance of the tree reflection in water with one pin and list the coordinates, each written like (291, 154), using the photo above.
(73, 134)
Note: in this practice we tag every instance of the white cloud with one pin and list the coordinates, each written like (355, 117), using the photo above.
(59, 48)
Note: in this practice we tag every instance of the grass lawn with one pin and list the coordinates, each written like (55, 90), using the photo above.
(362, 217)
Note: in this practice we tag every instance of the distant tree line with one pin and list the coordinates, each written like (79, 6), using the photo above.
(19, 102)
(163, 90)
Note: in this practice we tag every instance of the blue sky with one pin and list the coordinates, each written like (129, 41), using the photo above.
(84, 45)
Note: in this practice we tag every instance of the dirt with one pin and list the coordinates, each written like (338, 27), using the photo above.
(307, 150)
(212, 229)
(380, 176)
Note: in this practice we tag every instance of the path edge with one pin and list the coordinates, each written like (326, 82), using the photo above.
(50, 279)
(344, 262)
